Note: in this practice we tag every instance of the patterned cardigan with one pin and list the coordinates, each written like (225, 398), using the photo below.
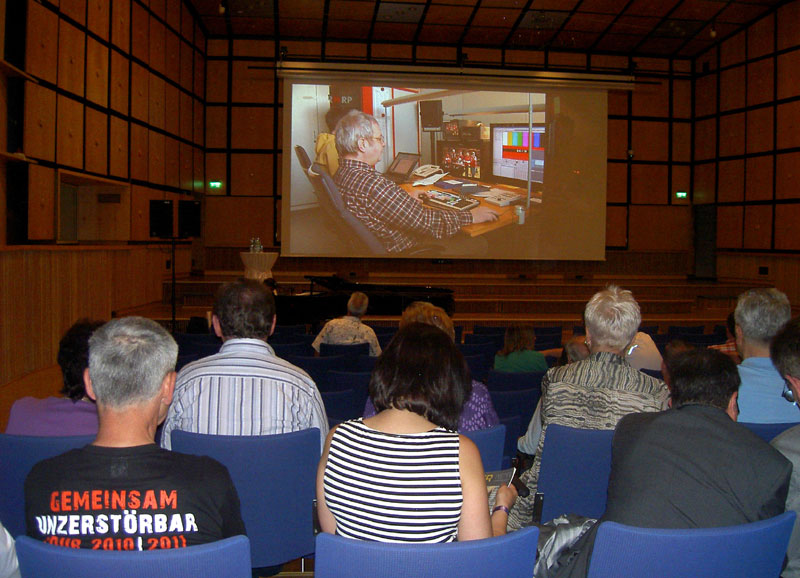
(590, 394)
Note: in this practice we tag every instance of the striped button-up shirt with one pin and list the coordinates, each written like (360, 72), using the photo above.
(397, 219)
(244, 390)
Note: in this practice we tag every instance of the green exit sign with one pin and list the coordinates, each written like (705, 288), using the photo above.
(218, 185)
(681, 195)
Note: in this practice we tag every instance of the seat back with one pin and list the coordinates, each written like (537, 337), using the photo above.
(358, 381)
(509, 556)
(228, 557)
(18, 454)
(367, 238)
(285, 350)
(767, 431)
(478, 366)
(521, 402)
(574, 473)
(491, 443)
(275, 478)
(511, 380)
(318, 367)
(351, 350)
(755, 549)
(340, 405)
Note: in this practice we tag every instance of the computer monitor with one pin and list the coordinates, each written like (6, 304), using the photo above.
(510, 145)
(402, 166)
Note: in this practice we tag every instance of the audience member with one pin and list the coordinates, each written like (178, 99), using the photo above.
(478, 411)
(518, 352)
(9, 567)
(785, 354)
(397, 218)
(348, 330)
(245, 389)
(690, 466)
(326, 154)
(729, 347)
(72, 415)
(575, 349)
(671, 350)
(405, 475)
(123, 492)
(593, 393)
(760, 314)
(643, 353)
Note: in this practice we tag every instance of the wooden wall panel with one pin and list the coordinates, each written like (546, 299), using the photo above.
(69, 132)
(783, 270)
(140, 29)
(788, 74)
(217, 88)
(649, 184)
(252, 85)
(237, 220)
(172, 110)
(186, 116)
(186, 159)
(41, 203)
(758, 227)
(759, 179)
(71, 58)
(650, 141)
(251, 128)
(787, 177)
(705, 139)
(651, 99)
(217, 127)
(251, 174)
(99, 12)
(156, 104)
(173, 64)
(41, 49)
(118, 152)
(75, 9)
(119, 82)
(732, 88)
(171, 162)
(156, 162)
(92, 282)
(139, 158)
(650, 226)
(96, 141)
(157, 45)
(729, 227)
(731, 135)
(788, 32)
(96, 72)
(120, 24)
(786, 237)
(760, 85)
(760, 130)
(617, 185)
(39, 124)
(789, 123)
(140, 83)
(616, 226)
(731, 181)
(216, 170)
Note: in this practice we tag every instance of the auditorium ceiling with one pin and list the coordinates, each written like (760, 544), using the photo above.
(647, 28)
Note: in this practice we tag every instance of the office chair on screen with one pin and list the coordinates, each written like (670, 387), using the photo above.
(755, 549)
(509, 556)
(228, 557)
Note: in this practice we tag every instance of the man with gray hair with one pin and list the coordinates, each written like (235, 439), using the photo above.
(349, 330)
(759, 315)
(245, 389)
(123, 492)
(397, 218)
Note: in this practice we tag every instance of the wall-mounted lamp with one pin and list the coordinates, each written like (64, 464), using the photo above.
(222, 7)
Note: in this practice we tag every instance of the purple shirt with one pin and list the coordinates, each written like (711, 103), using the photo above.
(478, 412)
(52, 416)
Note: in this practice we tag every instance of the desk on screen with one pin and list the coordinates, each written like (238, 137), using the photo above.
(505, 215)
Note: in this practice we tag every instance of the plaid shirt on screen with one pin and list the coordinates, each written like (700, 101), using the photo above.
(396, 218)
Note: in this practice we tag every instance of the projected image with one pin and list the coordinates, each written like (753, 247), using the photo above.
(514, 149)
(507, 175)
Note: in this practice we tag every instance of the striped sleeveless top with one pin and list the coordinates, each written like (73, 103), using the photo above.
(393, 487)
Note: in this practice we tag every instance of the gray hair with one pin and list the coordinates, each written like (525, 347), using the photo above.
(128, 360)
(357, 304)
(785, 349)
(761, 313)
(351, 127)
(612, 318)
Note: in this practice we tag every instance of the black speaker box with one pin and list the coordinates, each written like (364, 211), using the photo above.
(430, 112)
(188, 219)
(161, 219)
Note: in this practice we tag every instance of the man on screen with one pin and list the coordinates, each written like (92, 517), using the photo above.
(396, 217)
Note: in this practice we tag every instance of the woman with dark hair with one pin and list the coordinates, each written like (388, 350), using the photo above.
(74, 414)
(518, 352)
(405, 475)
(478, 411)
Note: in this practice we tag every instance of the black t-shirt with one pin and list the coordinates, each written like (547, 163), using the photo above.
(138, 498)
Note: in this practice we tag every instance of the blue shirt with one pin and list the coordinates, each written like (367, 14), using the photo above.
(760, 399)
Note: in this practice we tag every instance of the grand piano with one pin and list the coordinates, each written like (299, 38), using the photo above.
(329, 294)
